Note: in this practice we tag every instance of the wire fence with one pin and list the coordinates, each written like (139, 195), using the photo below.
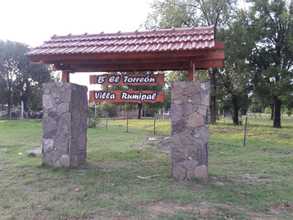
(150, 125)
(254, 128)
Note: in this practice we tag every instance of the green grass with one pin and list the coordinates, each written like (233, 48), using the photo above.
(251, 182)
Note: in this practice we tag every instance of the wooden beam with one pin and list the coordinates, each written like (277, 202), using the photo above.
(134, 67)
(138, 67)
(214, 55)
(65, 76)
(187, 55)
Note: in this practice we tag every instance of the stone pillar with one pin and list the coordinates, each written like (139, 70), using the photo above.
(65, 110)
(189, 140)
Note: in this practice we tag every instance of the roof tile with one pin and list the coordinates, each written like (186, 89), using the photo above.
(147, 41)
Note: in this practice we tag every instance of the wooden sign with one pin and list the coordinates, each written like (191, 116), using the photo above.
(128, 79)
(130, 96)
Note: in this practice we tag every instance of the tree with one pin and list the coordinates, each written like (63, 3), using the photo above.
(272, 56)
(30, 81)
(235, 77)
(171, 77)
(2, 93)
(19, 79)
(186, 13)
(170, 13)
(9, 55)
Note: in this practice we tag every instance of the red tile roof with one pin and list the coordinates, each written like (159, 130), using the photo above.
(164, 40)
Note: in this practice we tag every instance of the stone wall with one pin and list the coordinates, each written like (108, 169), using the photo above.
(189, 140)
(65, 109)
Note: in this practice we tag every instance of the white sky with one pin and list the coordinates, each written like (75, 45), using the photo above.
(34, 21)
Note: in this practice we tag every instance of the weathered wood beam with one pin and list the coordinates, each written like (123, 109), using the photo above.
(193, 54)
(132, 67)
(65, 76)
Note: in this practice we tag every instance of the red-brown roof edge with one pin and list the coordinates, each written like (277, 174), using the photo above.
(118, 33)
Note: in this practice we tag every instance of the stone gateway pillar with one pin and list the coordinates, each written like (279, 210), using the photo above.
(65, 110)
(189, 140)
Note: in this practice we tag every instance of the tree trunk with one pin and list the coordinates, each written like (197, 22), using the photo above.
(9, 103)
(26, 96)
(272, 111)
(9, 110)
(235, 105)
(139, 111)
(213, 103)
(277, 112)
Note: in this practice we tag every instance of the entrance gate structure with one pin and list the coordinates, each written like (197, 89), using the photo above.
(65, 105)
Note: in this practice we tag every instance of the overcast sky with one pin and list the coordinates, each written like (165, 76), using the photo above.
(34, 21)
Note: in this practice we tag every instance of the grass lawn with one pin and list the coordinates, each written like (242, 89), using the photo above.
(251, 182)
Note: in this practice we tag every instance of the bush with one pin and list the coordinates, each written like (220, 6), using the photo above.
(111, 110)
(91, 123)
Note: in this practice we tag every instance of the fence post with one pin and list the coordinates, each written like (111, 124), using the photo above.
(155, 125)
(245, 131)
(126, 119)
(95, 110)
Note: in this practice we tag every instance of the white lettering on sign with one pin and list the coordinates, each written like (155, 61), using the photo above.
(114, 79)
(101, 79)
(127, 79)
(105, 95)
(139, 96)
(139, 79)
(118, 96)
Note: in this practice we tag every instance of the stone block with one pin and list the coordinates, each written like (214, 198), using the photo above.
(65, 110)
(189, 140)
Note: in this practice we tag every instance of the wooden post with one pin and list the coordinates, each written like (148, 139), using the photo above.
(191, 72)
(65, 76)
(190, 75)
